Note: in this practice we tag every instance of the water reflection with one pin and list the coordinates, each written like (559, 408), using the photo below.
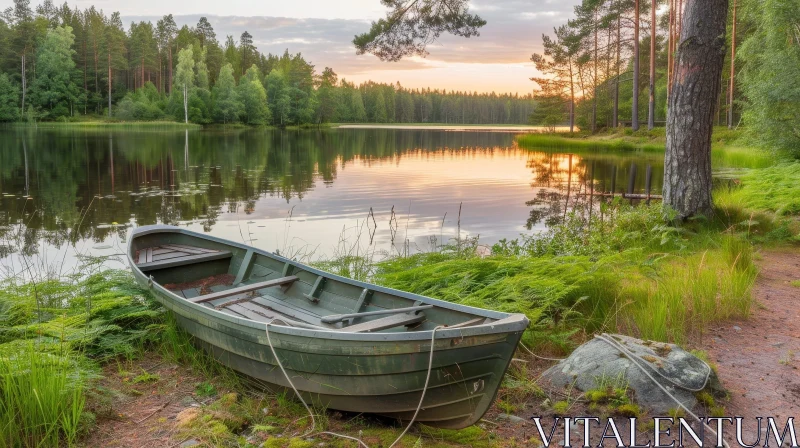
(289, 190)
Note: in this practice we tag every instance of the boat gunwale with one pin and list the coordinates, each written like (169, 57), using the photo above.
(505, 323)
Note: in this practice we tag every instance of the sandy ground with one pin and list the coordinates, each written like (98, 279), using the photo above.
(758, 359)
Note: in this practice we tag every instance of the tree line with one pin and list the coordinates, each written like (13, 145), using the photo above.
(61, 63)
(614, 63)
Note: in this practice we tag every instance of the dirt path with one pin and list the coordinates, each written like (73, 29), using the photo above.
(758, 359)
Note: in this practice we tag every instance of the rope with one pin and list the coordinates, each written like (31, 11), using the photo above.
(635, 359)
(424, 389)
(537, 356)
(311, 414)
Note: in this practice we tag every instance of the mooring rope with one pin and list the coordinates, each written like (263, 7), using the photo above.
(311, 414)
(635, 358)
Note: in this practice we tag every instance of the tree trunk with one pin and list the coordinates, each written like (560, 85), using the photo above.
(733, 68)
(109, 84)
(690, 118)
(651, 113)
(635, 99)
(615, 120)
(170, 68)
(670, 45)
(24, 86)
(596, 78)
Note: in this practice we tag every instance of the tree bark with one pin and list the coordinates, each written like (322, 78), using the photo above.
(733, 68)
(635, 99)
(596, 77)
(109, 84)
(615, 119)
(690, 117)
(651, 112)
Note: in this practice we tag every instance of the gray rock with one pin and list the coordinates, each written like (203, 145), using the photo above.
(597, 363)
(190, 442)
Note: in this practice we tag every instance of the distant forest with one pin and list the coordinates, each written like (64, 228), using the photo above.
(65, 64)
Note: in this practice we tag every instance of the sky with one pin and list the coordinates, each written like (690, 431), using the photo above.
(322, 30)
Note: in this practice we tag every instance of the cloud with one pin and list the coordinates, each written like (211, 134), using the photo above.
(513, 32)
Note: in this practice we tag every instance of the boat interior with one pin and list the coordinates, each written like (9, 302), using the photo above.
(251, 285)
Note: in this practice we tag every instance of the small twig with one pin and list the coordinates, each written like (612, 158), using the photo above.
(154, 412)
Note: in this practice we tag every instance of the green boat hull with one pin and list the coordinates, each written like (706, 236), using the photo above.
(381, 372)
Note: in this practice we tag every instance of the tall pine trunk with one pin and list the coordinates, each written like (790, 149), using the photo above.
(651, 110)
(733, 69)
(109, 84)
(170, 68)
(596, 77)
(615, 120)
(635, 99)
(690, 117)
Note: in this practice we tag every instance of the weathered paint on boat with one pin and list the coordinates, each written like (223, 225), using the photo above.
(382, 372)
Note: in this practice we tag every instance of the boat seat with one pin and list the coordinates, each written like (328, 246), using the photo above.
(247, 288)
(173, 255)
(385, 323)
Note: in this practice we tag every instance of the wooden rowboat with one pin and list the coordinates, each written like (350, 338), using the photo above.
(345, 344)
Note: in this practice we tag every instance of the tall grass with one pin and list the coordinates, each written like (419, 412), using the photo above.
(688, 294)
(550, 141)
(775, 189)
(41, 399)
(53, 334)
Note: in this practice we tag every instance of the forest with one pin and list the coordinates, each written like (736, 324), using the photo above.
(59, 63)
(614, 63)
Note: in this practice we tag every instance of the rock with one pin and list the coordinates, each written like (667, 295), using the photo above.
(737, 328)
(597, 362)
(511, 418)
(190, 442)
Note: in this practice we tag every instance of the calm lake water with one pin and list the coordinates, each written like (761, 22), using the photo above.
(307, 194)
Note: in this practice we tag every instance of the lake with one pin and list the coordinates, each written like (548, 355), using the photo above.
(308, 194)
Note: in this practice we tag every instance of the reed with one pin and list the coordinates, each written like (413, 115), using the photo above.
(42, 399)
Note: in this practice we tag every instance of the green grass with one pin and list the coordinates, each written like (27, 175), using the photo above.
(727, 151)
(135, 125)
(42, 399)
(586, 143)
(775, 189)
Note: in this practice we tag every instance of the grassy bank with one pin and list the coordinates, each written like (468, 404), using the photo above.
(101, 124)
(616, 140)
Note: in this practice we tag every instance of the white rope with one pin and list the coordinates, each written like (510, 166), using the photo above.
(634, 358)
(424, 389)
(280, 364)
(311, 414)
(537, 356)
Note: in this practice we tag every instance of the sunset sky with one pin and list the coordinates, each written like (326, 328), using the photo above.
(322, 30)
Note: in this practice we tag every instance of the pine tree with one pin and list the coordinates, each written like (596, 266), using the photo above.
(9, 99)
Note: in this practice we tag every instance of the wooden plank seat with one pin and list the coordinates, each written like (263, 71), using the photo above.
(173, 255)
(246, 288)
(385, 323)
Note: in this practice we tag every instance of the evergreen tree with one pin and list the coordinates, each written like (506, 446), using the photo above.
(9, 99)
(254, 97)
(227, 105)
(53, 92)
(771, 74)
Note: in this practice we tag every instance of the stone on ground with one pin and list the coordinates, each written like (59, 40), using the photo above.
(598, 363)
